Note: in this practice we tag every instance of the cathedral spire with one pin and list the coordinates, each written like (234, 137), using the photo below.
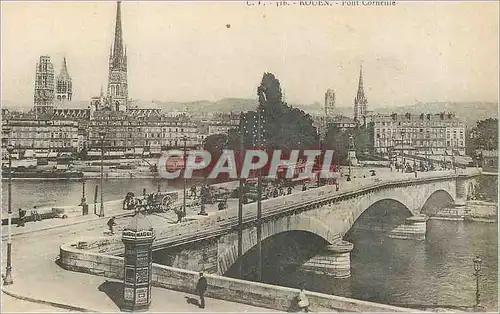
(117, 91)
(64, 74)
(360, 102)
(360, 97)
(118, 44)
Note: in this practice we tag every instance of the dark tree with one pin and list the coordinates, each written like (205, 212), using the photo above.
(337, 140)
(215, 144)
(282, 127)
(485, 134)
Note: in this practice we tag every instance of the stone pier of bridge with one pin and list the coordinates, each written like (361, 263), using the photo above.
(334, 260)
(415, 228)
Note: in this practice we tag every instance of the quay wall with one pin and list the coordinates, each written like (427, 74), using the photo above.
(219, 287)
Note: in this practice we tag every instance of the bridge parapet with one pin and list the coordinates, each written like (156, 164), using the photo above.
(219, 287)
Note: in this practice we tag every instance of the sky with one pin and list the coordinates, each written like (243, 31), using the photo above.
(186, 51)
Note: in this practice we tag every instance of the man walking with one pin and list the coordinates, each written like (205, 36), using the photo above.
(180, 214)
(193, 191)
(201, 287)
(22, 213)
(111, 223)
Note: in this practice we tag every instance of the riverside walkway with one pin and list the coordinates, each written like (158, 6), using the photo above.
(38, 279)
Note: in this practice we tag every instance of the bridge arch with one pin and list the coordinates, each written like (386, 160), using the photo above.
(383, 215)
(436, 201)
(300, 222)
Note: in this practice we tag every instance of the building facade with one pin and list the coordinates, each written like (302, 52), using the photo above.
(64, 86)
(419, 134)
(221, 123)
(131, 133)
(43, 99)
(41, 133)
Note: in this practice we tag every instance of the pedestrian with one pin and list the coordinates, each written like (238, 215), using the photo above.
(337, 187)
(35, 215)
(304, 187)
(38, 215)
(303, 302)
(180, 215)
(193, 191)
(289, 190)
(201, 288)
(22, 213)
(111, 224)
(221, 205)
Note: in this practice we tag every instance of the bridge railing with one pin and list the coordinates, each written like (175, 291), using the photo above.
(283, 203)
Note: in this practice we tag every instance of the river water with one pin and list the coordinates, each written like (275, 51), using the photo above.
(435, 272)
(41, 193)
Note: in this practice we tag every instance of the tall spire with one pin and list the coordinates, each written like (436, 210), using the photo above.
(64, 74)
(360, 102)
(360, 97)
(118, 45)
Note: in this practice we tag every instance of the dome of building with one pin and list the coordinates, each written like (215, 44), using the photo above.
(139, 223)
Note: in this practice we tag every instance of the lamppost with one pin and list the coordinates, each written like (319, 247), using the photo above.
(403, 160)
(7, 280)
(477, 269)
(240, 199)
(184, 139)
(102, 134)
(454, 166)
(259, 197)
(394, 158)
(349, 158)
(83, 203)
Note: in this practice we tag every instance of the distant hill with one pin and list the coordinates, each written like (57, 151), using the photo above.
(470, 112)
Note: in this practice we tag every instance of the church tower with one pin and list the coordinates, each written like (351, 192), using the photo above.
(43, 98)
(360, 101)
(64, 87)
(330, 103)
(117, 93)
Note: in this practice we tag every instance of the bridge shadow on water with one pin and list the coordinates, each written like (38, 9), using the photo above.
(281, 254)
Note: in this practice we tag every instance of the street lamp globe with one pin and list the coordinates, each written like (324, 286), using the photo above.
(477, 263)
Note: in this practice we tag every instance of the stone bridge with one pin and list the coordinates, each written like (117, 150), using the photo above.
(210, 243)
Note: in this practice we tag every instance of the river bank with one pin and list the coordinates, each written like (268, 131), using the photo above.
(479, 211)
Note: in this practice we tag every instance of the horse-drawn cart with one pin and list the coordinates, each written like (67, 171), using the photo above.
(152, 203)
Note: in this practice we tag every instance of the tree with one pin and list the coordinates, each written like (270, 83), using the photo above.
(485, 134)
(337, 140)
(282, 127)
(215, 144)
